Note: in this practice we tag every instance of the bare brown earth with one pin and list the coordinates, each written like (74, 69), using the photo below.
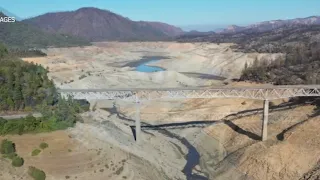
(281, 157)
(314, 174)
(66, 157)
(229, 149)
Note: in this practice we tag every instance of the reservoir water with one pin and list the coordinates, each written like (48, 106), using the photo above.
(145, 68)
(142, 66)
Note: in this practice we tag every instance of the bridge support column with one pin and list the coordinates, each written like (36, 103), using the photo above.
(137, 122)
(265, 120)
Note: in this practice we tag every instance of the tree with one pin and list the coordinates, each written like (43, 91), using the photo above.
(43, 145)
(3, 51)
(36, 173)
(10, 126)
(7, 147)
(10, 79)
(17, 96)
(10, 103)
(17, 161)
(30, 123)
(2, 123)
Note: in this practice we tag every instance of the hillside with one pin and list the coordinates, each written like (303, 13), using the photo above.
(265, 37)
(273, 24)
(166, 28)
(21, 35)
(299, 41)
(273, 41)
(95, 24)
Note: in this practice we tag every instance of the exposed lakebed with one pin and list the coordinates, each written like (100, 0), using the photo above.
(142, 66)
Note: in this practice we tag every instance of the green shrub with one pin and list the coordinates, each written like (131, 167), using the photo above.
(17, 161)
(10, 156)
(35, 152)
(2, 123)
(36, 173)
(43, 145)
(7, 147)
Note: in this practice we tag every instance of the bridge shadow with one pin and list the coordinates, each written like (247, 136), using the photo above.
(204, 123)
(303, 100)
(133, 129)
(193, 157)
(316, 113)
(239, 130)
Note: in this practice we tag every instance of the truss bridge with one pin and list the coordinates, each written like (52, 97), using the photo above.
(139, 95)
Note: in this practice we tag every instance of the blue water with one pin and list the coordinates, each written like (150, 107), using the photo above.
(145, 68)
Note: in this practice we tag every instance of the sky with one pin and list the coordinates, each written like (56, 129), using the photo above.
(183, 13)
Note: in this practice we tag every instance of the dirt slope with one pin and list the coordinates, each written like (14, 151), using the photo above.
(286, 159)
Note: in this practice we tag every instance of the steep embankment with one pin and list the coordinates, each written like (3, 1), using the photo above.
(292, 148)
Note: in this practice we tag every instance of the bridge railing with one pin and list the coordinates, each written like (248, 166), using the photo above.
(137, 94)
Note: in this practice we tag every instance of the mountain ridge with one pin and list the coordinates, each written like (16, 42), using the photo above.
(273, 24)
(20, 35)
(96, 24)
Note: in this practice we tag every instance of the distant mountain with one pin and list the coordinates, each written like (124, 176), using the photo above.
(204, 27)
(8, 13)
(196, 34)
(233, 29)
(166, 28)
(267, 36)
(21, 35)
(95, 24)
(277, 40)
(274, 24)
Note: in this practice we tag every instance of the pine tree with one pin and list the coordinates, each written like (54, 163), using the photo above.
(3, 51)
(10, 103)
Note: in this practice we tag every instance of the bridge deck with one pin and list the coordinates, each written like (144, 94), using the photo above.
(193, 88)
(254, 92)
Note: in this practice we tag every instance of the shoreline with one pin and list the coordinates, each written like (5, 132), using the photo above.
(145, 60)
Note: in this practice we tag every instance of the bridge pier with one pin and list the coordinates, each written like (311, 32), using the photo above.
(137, 122)
(265, 120)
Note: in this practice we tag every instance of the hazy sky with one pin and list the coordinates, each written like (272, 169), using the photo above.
(178, 12)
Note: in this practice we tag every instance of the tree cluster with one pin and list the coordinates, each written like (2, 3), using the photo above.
(301, 65)
(26, 87)
(8, 150)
